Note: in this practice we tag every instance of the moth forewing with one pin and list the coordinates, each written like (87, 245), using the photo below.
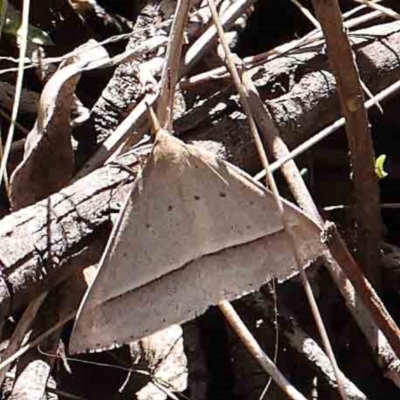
(195, 230)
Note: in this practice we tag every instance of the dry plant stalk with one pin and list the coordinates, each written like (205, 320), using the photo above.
(351, 98)
(103, 290)
(23, 31)
(271, 181)
(308, 144)
(371, 303)
(257, 352)
(170, 73)
(138, 115)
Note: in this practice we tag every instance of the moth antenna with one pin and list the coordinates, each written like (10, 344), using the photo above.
(155, 125)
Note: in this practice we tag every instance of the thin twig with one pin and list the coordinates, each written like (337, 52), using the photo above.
(208, 38)
(31, 345)
(307, 13)
(361, 310)
(364, 289)
(252, 345)
(137, 116)
(264, 160)
(308, 144)
(351, 98)
(21, 330)
(385, 10)
(23, 34)
(170, 72)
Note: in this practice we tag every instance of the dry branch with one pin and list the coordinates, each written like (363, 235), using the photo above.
(361, 310)
(80, 214)
(72, 225)
(299, 90)
(263, 306)
(270, 180)
(23, 239)
(351, 97)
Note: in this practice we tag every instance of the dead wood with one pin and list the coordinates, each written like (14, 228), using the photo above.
(80, 214)
(23, 245)
(49, 142)
(298, 89)
(126, 88)
(69, 228)
(351, 97)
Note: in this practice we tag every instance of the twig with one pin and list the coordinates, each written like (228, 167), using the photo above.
(258, 353)
(31, 345)
(351, 98)
(21, 330)
(384, 94)
(306, 12)
(23, 33)
(21, 128)
(137, 116)
(207, 40)
(364, 289)
(360, 311)
(170, 73)
(385, 10)
(264, 160)
(302, 342)
(390, 206)
(134, 119)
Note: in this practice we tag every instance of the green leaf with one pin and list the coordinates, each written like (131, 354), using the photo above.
(3, 12)
(379, 167)
(13, 22)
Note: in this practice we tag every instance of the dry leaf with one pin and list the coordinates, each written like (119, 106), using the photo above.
(48, 157)
(195, 230)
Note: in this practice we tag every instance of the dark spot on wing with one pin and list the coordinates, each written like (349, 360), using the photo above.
(222, 194)
(148, 225)
(196, 197)
(170, 208)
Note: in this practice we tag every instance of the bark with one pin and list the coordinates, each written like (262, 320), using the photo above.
(43, 244)
(81, 212)
(298, 89)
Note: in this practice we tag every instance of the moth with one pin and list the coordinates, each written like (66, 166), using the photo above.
(194, 230)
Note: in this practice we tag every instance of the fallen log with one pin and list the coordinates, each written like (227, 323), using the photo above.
(43, 244)
(298, 89)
